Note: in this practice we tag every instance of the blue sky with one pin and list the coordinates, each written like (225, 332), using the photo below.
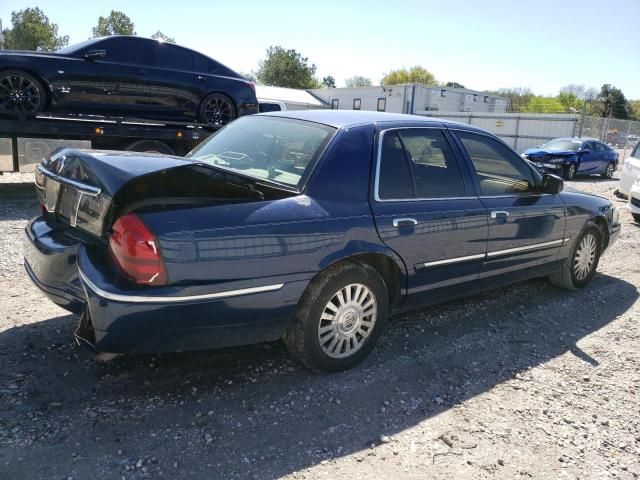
(541, 44)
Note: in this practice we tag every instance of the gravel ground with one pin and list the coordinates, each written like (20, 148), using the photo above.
(524, 382)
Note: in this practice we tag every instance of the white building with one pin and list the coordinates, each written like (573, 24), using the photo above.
(411, 98)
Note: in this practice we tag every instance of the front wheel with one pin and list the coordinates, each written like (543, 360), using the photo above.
(21, 93)
(577, 271)
(340, 317)
(608, 173)
(216, 110)
(570, 171)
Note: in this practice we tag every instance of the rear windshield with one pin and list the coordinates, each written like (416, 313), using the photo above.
(279, 150)
(561, 145)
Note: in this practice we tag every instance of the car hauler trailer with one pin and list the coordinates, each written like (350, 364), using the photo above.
(25, 141)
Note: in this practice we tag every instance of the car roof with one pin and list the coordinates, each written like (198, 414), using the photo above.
(345, 118)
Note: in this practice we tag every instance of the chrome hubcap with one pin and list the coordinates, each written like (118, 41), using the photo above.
(585, 257)
(18, 94)
(347, 321)
(609, 170)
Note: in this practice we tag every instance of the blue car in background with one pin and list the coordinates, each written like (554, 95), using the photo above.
(307, 226)
(569, 157)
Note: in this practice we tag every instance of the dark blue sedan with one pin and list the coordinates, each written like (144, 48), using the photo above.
(574, 156)
(309, 226)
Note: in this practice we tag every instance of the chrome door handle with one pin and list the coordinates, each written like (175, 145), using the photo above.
(200, 77)
(404, 222)
(499, 214)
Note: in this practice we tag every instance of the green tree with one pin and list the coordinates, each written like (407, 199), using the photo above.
(358, 81)
(569, 101)
(634, 109)
(518, 97)
(31, 30)
(540, 104)
(286, 68)
(161, 36)
(117, 23)
(453, 85)
(415, 74)
(612, 102)
(329, 82)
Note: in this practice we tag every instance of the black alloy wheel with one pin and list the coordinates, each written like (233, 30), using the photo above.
(20, 93)
(217, 110)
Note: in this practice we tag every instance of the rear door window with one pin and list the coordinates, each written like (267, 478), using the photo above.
(172, 57)
(418, 163)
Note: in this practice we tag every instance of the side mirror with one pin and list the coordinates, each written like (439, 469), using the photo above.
(585, 150)
(95, 54)
(551, 184)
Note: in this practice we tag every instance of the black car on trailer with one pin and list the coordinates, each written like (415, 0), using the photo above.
(124, 76)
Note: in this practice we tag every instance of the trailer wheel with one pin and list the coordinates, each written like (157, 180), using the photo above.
(150, 146)
(21, 93)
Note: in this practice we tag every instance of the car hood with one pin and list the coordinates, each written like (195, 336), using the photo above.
(540, 152)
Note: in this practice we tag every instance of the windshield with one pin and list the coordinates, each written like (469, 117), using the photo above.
(561, 145)
(78, 46)
(280, 150)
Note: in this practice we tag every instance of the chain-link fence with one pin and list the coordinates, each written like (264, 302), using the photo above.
(620, 134)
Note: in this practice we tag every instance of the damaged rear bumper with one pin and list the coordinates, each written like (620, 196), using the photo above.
(158, 319)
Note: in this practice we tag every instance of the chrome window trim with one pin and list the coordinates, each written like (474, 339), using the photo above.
(187, 298)
(83, 187)
(376, 181)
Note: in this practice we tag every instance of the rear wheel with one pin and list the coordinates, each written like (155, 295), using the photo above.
(577, 271)
(217, 110)
(339, 319)
(608, 172)
(570, 171)
(21, 93)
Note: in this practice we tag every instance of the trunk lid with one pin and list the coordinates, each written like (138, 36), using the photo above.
(89, 189)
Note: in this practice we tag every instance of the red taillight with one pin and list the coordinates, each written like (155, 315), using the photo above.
(43, 210)
(135, 251)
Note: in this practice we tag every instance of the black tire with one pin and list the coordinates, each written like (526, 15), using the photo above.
(150, 146)
(608, 172)
(636, 217)
(569, 171)
(303, 334)
(21, 93)
(566, 276)
(217, 110)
